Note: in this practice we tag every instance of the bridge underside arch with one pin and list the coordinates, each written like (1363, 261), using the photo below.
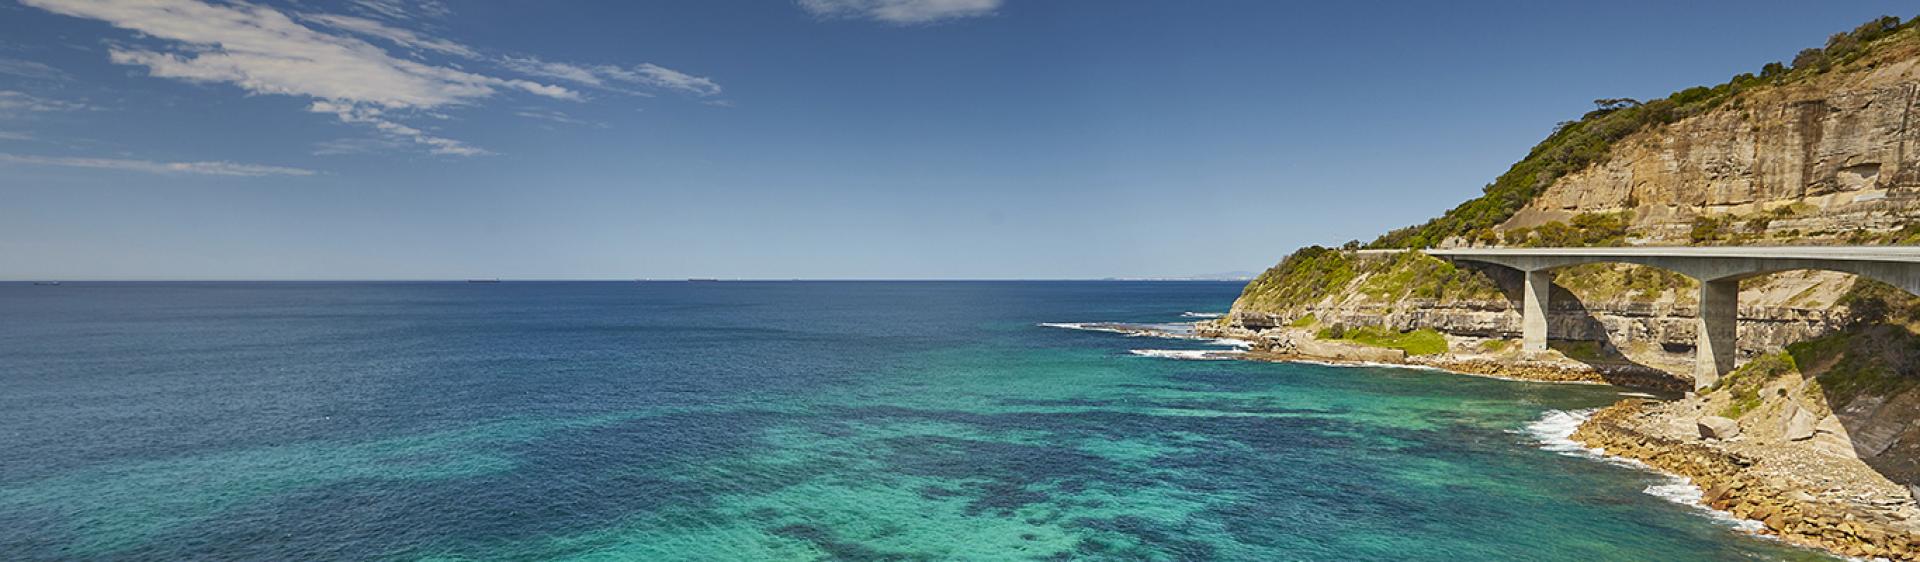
(1719, 293)
(1906, 276)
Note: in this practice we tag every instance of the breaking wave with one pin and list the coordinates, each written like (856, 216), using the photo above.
(1554, 432)
(1188, 354)
(1088, 326)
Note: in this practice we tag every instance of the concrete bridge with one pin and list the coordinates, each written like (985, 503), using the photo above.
(1718, 269)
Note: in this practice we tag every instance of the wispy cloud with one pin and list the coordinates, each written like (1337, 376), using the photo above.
(663, 77)
(15, 136)
(264, 51)
(14, 102)
(151, 167)
(901, 11)
(405, 38)
(558, 117)
(350, 113)
(338, 147)
(402, 9)
(332, 60)
(607, 76)
(30, 70)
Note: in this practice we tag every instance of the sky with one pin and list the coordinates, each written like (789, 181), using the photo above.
(776, 139)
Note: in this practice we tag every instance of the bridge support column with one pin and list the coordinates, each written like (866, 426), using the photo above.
(1718, 329)
(1533, 311)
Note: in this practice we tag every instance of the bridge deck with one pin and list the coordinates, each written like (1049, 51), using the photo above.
(1719, 270)
(1905, 254)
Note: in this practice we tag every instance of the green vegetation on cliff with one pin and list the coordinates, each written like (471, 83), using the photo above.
(1613, 281)
(1315, 273)
(1575, 145)
(1879, 356)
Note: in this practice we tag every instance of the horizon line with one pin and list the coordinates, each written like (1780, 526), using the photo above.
(487, 280)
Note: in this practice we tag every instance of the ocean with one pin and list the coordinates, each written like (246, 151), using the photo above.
(770, 421)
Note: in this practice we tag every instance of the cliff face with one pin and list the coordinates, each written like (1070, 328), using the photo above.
(1817, 434)
(1816, 161)
(1827, 157)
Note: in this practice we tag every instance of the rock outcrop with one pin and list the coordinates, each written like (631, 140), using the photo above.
(1716, 427)
(1835, 155)
(1803, 498)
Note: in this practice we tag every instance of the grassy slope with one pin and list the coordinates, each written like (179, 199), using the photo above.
(1879, 356)
(1315, 274)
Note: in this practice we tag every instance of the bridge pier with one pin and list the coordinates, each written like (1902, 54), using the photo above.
(1719, 270)
(1718, 326)
(1533, 310)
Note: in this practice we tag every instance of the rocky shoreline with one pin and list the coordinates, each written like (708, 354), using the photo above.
(1799, 494)
(1803, 497)
(1291, 344)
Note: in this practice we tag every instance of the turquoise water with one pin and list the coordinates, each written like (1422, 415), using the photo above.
(763, 421)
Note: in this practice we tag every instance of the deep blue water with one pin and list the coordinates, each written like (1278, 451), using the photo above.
(729, 421)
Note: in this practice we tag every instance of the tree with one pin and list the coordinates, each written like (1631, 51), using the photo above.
(1611, 104)
(1810, 58)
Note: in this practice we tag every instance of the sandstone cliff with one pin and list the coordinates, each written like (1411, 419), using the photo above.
(1824, 152)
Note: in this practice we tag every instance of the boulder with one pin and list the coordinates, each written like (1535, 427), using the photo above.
(1716, 427)
(1800, 424)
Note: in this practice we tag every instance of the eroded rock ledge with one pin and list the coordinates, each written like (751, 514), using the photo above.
(1290, 344)
(1801, 496)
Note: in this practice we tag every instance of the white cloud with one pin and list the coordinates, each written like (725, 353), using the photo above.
(558, 117)
(556, 70)
(333, 61)
(30, 70)
(402, 10)
(339, 147)
(350, 113)
(15, 136)
(663, 77)
(151, 167)
(901, 11)
(264, 51)
(608, 76)
(12, 101)
(402, 37)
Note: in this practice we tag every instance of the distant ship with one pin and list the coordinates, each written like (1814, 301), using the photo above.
(703, 280)
(46, 283)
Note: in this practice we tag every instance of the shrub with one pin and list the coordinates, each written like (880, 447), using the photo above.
(1705, 229)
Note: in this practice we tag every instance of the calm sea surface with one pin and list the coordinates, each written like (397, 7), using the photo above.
(763, 421)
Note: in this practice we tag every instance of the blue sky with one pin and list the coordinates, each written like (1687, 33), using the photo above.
(397, 139)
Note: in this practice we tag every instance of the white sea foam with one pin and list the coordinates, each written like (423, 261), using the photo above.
(1678, 490)
(1554, 432)
(1188, 354)
(1203, 314)
(1637, 395)
(1088, 326)
(1170, 331)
